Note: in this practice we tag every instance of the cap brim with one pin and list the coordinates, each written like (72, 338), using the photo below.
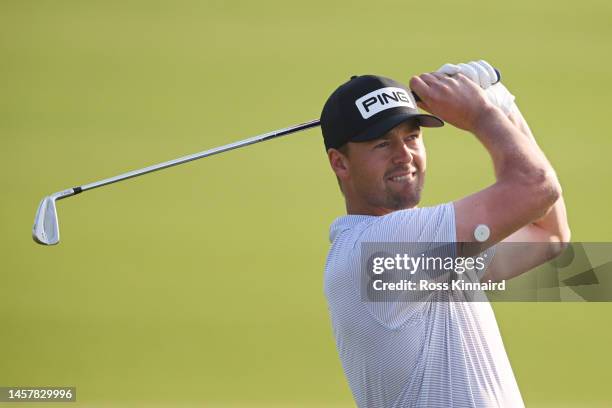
(383, 126)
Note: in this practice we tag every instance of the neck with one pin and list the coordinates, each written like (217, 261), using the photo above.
(359, 209)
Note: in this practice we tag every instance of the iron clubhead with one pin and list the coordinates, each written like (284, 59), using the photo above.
(46, 227)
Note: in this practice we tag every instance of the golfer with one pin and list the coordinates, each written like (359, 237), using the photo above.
(431, 354)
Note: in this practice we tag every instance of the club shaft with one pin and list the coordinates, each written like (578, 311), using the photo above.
(185, 159)
(160, 166)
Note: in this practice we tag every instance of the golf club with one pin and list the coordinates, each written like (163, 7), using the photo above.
(46, 225)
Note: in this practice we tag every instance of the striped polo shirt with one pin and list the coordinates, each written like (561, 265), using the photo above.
(412, 354)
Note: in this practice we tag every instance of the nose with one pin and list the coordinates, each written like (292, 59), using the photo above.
(401, 153)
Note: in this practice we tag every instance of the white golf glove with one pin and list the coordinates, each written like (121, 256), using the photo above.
(482, 73)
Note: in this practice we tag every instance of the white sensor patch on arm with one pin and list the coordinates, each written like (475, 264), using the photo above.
(482, 233)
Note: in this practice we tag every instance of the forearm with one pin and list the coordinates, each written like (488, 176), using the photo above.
(515, 157)
(555, 220)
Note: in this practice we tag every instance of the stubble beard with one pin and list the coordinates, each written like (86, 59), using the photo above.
(395, 200)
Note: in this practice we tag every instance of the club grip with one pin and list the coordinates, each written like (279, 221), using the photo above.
(416, 97)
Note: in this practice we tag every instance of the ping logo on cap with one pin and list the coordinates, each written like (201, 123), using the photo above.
(382, 99)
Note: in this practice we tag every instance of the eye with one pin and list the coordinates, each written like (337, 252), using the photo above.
(381, 144)
(410, 138)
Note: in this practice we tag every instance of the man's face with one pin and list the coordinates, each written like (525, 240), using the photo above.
(385, 174)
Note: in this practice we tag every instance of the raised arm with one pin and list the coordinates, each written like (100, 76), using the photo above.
(526, 186)
(554, 223)
(551, 232)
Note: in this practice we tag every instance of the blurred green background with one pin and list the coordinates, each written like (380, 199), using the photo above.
(202, 285)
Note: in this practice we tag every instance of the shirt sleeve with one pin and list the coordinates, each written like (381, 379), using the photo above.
(427, 224)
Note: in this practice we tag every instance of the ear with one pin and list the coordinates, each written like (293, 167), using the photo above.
(338, 162)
